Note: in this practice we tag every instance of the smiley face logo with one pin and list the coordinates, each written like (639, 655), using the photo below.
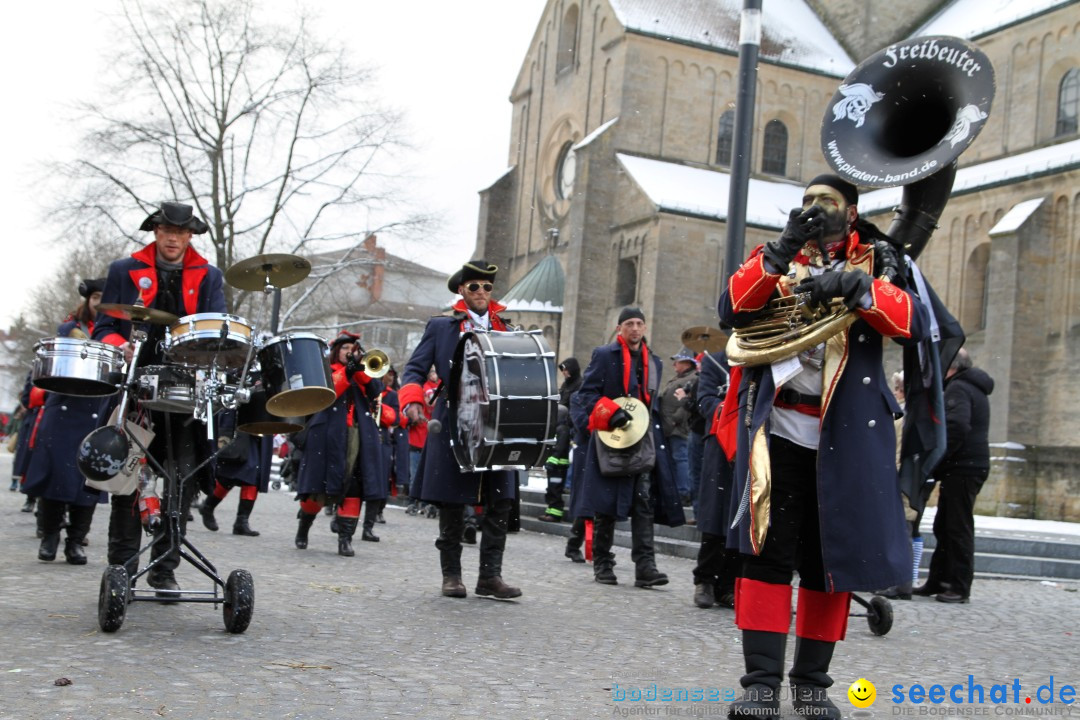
(862, 693)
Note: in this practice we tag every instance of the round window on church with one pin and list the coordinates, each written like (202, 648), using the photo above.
(565, 170)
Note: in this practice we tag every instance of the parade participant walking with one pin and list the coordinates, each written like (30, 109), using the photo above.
(625, 368)
(816, 459)
(52, 474)
(342, 458)
(439, 479)
(169, 275)
(242, 461)
(33, 399)
(558, 463)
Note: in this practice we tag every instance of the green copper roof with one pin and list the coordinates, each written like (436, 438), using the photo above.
(541, 290)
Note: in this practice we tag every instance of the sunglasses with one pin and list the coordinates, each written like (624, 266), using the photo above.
(474, 286)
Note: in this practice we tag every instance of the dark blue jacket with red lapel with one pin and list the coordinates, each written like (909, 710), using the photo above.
(714, 493)
(201, 285)
(613, 495)
(65, 420)
(439, 477)
(865, 543)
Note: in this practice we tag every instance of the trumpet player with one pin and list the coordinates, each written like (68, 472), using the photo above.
(815, 459)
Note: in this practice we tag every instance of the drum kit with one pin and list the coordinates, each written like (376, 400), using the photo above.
(213, 362)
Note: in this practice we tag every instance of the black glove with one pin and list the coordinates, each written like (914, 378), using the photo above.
(619, 418)
(847, 285)
(353, 364)
(802, 225)
(373, 390)
(887, 263)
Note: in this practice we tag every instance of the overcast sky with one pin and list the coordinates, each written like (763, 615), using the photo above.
(449, 66)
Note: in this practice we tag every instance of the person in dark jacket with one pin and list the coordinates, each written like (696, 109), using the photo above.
(559, 461)
(961, 473)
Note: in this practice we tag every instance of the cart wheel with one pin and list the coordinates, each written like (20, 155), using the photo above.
(880, 617)
(112, 600)
(275, 485)
(239, 601)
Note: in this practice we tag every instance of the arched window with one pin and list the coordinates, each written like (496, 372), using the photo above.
(1068, 103)
(774, 152)
(567, 40)
(975, 289)
(725, 138)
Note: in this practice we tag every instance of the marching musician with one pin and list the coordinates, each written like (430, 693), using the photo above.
(168, 275)
(342, 460)
(439, 479)
(52, 475)
(624, 368)
(242, 461)
(815, 448)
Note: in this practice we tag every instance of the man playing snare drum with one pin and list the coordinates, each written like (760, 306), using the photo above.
(438, 479)
(169, 275)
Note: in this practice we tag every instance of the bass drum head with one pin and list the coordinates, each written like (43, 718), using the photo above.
(296, 375)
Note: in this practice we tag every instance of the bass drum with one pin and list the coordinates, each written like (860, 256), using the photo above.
(503, 401)
(253, 418)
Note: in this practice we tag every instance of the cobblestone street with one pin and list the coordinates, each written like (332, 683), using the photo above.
(370, 636)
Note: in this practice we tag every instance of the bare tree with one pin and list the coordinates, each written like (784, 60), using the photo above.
(271, 134)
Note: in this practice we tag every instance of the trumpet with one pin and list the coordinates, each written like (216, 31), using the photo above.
(376, 363)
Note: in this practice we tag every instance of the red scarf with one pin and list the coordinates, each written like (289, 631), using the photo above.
(626, 367)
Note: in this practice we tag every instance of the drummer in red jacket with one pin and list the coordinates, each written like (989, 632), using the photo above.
(439, 479)
(169, 275)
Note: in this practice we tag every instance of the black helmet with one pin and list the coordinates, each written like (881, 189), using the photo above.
(103, 453)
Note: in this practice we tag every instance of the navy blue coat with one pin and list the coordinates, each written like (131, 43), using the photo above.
(201, 284)
(26, 429)
(613, 495)
(439, 478)
(322, 461)
(65, 421)
(714, 493)
(248, 463)
(865, 542)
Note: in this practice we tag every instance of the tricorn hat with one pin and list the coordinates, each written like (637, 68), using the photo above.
(473, 270)
(178, 214)
(89, 287)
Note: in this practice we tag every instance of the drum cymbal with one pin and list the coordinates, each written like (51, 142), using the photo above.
(137, 313)
(632, 431)
(279, 270)
(703, 338)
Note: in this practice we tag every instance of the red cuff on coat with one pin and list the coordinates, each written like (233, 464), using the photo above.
(388, 416)
(601, 414)
(37, 397)
(751, 286)
(890, 310)
(410, 393)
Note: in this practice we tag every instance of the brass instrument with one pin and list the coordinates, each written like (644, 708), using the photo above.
(902, 117)
(376, 363)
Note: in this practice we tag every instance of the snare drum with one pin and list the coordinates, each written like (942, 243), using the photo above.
(166, 389)
(296, 375)
(206, 338)
(503, 401)
(73, 366)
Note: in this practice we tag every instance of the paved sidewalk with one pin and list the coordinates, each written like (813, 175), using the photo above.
(370, 637)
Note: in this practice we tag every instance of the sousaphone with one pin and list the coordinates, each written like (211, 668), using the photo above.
(901, 118)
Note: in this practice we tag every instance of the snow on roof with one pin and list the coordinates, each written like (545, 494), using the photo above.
(595, 133)
(971, 18)
(695, 191)
(792, 33)
(1013, 219)
(1053, 158)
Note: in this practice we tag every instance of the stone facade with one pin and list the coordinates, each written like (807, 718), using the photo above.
(589, 83)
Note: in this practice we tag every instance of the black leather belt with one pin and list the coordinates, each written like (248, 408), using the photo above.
(790, 397)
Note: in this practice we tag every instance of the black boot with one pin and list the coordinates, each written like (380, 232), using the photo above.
(370, 513)
(603, 558)
(73, 552)
(49, 544)
(302, 529)
(346, 528)
(494, 525)
(642, 549)
(207, 512)
(451, 525)
(703, 595)
(810, 679)
(763, 653)
(243, 512)
(28, 506)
